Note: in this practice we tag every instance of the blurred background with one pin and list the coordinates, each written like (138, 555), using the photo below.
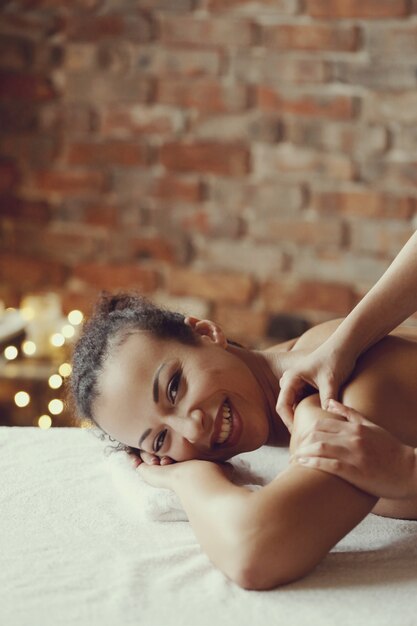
(250, 161)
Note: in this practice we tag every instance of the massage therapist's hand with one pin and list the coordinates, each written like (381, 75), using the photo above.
(360, 452)
(325, 369)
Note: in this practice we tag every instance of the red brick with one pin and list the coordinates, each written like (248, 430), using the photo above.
(222, 31)
(9, 176)
(372, 9)
(400, 106)
(70, 182)
(26, 87)
(400, 174)
(58, 116)
(393, 42)
(384, 239)
(207, 95)
(286, 7)
(314, 37)
(70, 243)
(293, 296)
(241, 324)
(166, 5)
(128, 120)
(103, 87)
(121, 276)
(18, 116)
(40, 24)
(299, 230)
(133, 27)
(363, 203)
(216, 286)
(101, 215)
(21, 209)
(156, 248)
(16, 53)
(32, 150)
(178, 188)
(362, 141)
(80, 300)
(326, 106)
(274, 68)
(380, 74)
(31, 272)
(209, 223)
(301, 163)
(211, 157)
(186, 61)
(107, 153)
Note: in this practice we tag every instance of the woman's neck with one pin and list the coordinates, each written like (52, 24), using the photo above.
(261, 365)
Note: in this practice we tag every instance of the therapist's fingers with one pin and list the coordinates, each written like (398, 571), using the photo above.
(328, 389)
(348, 413)
(292, 389)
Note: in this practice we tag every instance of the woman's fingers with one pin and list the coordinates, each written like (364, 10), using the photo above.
(332, 466)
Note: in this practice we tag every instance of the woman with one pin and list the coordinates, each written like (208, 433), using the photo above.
(178, 390)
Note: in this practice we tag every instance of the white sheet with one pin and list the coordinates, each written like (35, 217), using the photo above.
(73, 551)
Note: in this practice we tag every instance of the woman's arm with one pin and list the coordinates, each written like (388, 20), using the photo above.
(357, 450)
(392, 299)
(272, 536)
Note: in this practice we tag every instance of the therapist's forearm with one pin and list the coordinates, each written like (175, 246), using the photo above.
(392, 299)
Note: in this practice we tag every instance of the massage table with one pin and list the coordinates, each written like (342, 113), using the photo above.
(85, 541)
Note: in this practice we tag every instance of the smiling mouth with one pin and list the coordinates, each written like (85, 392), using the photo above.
(226, 426)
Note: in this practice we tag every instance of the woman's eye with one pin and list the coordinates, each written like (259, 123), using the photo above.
(159, 441)
(174, 383)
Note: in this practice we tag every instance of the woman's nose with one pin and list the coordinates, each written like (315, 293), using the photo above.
(192, 427)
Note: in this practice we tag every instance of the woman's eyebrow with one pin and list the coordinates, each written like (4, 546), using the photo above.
(155, 387)
(144, 435)
(155, 393)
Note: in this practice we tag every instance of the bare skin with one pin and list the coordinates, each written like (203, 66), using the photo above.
(391, 301)
(383, 389)
(279, 533)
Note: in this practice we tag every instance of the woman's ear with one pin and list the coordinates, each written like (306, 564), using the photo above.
(207, 328)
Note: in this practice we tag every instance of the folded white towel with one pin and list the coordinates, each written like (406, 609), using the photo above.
(163, 505)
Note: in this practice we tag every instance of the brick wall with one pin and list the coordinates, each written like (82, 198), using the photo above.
(239, 159)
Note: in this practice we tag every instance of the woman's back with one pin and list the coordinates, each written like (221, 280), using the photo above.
(383, 388)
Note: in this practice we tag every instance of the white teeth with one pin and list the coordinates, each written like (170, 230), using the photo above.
(226, 410)
(226, 426)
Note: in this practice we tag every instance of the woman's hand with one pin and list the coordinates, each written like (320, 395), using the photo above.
(360, 452)
(149, 459)
(324, 370)
(167, 473)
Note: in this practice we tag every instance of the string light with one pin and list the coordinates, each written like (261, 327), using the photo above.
(28, 313)
(65, 370)
(68, 331)
(75, 317)
(56, 406)
(11, 353)
(57, 340)
(29, 347)
(22, 398)
(55, 381)
(44, 422)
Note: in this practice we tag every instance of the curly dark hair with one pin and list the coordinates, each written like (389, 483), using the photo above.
(114, 318)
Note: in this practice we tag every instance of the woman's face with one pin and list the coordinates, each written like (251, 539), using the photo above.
(181, 401)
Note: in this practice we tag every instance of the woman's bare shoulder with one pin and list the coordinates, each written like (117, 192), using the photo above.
(315, 336)
(383, 385)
